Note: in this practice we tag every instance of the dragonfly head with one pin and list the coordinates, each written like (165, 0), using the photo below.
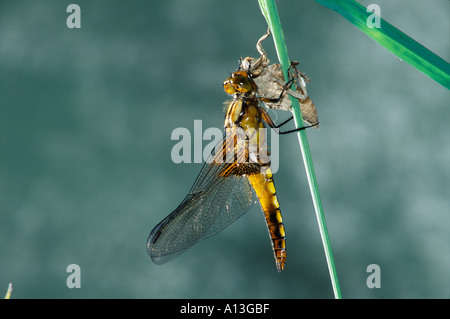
(239, 82)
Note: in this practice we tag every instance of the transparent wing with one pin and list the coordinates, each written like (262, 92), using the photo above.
(220, 195)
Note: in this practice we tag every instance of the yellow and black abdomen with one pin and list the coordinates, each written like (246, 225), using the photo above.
(265, 190)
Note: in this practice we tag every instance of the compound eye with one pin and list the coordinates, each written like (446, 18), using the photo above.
(238, 82)
(241, 83)
(229, 86)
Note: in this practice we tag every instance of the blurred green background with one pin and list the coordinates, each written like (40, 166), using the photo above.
(86, 117)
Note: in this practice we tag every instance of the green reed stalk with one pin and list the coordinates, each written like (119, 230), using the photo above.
(270, 12)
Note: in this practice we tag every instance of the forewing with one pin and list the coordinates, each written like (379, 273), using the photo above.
(215, 201)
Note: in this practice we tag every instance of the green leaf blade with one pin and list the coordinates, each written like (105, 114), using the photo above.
(391, 38)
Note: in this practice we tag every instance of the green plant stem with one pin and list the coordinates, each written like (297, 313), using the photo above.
(271, 14)
(393, 40)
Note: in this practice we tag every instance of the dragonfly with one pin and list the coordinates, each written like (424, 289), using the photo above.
(235, 176)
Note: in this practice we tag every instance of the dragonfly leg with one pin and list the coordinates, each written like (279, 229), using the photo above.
(298, 129)
(276, 127)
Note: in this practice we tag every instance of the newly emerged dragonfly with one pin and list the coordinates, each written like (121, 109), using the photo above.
(236, 176)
